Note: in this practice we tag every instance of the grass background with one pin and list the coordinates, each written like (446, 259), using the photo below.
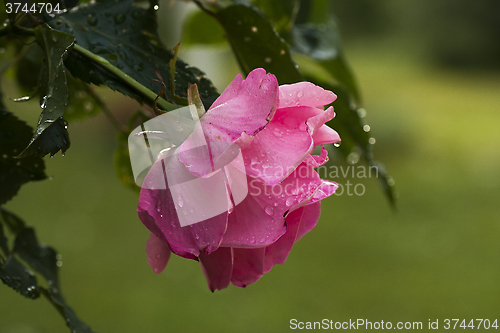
(437, 257)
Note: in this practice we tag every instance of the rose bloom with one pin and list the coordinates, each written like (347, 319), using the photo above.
(276, 129)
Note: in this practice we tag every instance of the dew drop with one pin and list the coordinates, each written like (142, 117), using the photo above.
(267, 60)
(371, 141)
(254, 29)
(269, 210)
(366, 128)
(282, 52)
(92, 20)
(180, 202)
(337, 144)
(361, 112)
(289, 201)
(197, 236)
(156, 7)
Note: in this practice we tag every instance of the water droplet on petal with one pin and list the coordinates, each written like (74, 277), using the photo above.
(289, 201)
(269, 210)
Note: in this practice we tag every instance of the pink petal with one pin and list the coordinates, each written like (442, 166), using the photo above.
(304, 94)
(285, 143)
(317, 160)
(246, 107)
(158, 253)
(217, 267)
(259, 219)
(157, 211)
(302, 219)
(326, 189)
(248, 266)
(325, 135)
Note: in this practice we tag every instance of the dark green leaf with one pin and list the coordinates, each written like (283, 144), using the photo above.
(53, 93)
(83, 102)
(281, 13)
(27, 69)
(43, 259)
(14, 274)
(125, 34)
(355, 138)
(14, 136)
(321, 42)
(3, 240)
(11, 220)
(256, 44)
(201, 28)
(53, 139)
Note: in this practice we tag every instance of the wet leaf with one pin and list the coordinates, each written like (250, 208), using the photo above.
(14, 136)
(53, 93)
(316, 35)
(43, 259)
(125, 34)
(15, 275)
(355, 138)
(281, 13)
(256, 44)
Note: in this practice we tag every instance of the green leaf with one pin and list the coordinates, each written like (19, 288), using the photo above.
(355, 138)
(256, 44)
(124, 33)
(201, 28)
(14, 135)
(43, 259)
(53, 92)
(281, 13)
(83, 102)
(15, 275)
(321, 42)
(3, 240)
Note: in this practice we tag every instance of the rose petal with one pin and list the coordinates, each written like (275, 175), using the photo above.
(158, 253)
(163, 210)
(280, 147)
(247, 107)
(325, 135)
(277, 252)
(217, 267)
(259, 219)
(248, 266)
(304, 94)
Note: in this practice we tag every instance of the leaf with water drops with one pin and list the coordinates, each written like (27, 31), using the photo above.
(316, 35)
(14, 135)
(256, 44)
(355, 135)
(15, 275)
(53, 92)
(124, 33)
(281, 13)
(44, 260)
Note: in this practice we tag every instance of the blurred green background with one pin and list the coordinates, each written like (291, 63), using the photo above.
(429, 74)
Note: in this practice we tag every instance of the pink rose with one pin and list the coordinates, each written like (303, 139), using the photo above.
(276, 129)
